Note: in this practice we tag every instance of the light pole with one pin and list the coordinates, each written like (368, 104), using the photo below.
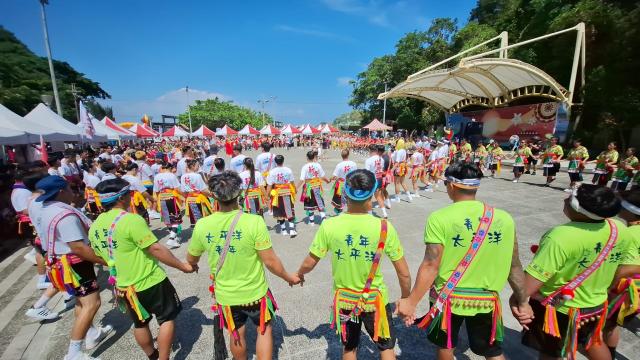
(264, 102)
(189, 110)
(48, 48)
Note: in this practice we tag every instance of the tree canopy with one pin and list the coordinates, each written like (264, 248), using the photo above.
(611, 95)
(346, 120)
(24, 77)
(215, 113)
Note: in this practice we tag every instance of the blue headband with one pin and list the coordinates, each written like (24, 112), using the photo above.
(109, 198)
(359, 195)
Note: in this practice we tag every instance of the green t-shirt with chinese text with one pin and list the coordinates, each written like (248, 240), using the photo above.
(131, 237)
(352, 240)
(634, 254)
(567, 250)
(241, 279)
(454, 227)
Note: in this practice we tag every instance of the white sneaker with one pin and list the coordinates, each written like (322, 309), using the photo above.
(568, 190)
(154, 215)
(172, 235)
(387, 202)
(43, 313)
(293, 233)
(103, 331)
(80, 356)
(31, 256)
(172, 244)
(396, 199)
(43, 285)
(284, 232)
(515, 180)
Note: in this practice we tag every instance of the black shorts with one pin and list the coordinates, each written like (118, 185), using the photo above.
(532, 160)
(242, 313)
(478, 331)
(552, 170)
(518, 169)
(353, 330)
(575, 176)
(536, 338)
(160, 300)
(493, 167)
(619, 185)
(87, 279)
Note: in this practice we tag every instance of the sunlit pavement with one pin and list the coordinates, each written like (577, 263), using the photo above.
(301, 329)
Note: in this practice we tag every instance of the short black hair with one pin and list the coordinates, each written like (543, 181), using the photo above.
(632, 197)
(31, 179)
(225, 186)
(373, 148)
(237, 147)
(279, 159)
(599, 200)
(130, 166)
(108, 167)
(111, 186)
(381, 148)
(311, 155)
(463, 170)
(266, 146)
(218, 163)
(360, 179)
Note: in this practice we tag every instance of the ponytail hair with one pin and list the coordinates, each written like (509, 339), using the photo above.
(248, 163)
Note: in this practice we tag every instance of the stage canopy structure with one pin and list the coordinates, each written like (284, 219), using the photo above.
(376, 125)
(248, 130)
(270, 130)
(10, 128)
(290, 130)
(226, 131)
(204, 131)
(175, 131)
(309, 130)
(481, 80)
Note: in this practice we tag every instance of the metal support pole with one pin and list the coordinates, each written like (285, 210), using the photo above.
(48, 49)
(504, 42)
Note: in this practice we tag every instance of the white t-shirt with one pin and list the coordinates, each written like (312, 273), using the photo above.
(265, 162)
(91, 180)
(108, 176)
(136, 184)
(237, 163)
(53, 171)
(144, 171)
(20, 199)
(207, 165)
(69, 229)
(417, 158)
(310, 171)
(433, 155)
(246, 179)
(443, 152)
(375, 164)
(99, 173)
(399, 156)
(343, 168)
(68, 168)
(280, 175)
(191, 182)
(181, 168)
(155, 169)
(165, 180)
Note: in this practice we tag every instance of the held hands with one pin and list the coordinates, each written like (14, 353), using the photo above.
(188, 268)
(406, 310)
(522, 312)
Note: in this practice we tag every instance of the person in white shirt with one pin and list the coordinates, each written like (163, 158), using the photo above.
(311, 177)
(93, 207)
(140, 198)
(254, 200)
(375, 164)
(208, 167)
(400, 170)
(338, 199)
(54, 166)
(197, 204)
(181, 168)
(416, 162)
(166, 187)
(264, 162)
(237, 161)
(157, 165)
(281, 189)
(65, 236)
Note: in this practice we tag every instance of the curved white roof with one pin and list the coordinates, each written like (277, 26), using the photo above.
(486, 81)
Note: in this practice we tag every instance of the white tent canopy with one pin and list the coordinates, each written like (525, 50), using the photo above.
(103, 131)
(10, 129)
(10, 120)
(43, 116)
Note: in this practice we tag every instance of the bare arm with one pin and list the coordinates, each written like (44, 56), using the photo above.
(85, 252)
(166, 257)
(517, 277)
(273, 263)
(404, 276)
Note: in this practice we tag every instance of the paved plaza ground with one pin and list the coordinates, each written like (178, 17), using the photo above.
(301, 327)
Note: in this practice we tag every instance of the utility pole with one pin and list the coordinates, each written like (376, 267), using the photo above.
(74, 91)
(264, 102)
(384, 111)
(48, 48)
(189, 110)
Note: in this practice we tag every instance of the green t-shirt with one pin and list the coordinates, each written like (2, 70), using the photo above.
(134, 266)
(454, 227)
(634, 254)
(352, 240)
(241, 279)
(567, 250)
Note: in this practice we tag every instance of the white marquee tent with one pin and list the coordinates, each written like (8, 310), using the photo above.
(32, 129)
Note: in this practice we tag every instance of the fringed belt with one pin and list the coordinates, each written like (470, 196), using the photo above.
(282, 190)
(198, 198)
(626, 298)
(255, 193)
(310, 186)
(129, 295)
(338, 187)
(358, 302)
(148, 184)
(169, 194)
(137, 199)
(61, 274)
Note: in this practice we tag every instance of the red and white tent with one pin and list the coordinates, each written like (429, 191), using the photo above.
(248, 130)
(270, 130)
(309, 130)
(175, 131)
(290, 130)
(331, 129)
(155, 133)
(142, 132)
(226, 131)
(117, 128)
(376, 125)
(204, 131)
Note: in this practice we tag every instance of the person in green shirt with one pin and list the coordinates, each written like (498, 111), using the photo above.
(352, 240)
(132, 252)
(240, 287)
(577, 157)
(565, 252)
(605, 162)
(551, 160)
(474, 299)
(624, 305)
(522, 157)
(624, 173)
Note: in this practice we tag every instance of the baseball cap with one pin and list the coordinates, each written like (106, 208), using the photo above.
(51, 185)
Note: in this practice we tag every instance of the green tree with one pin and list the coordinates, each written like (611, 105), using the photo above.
(24, 77)
(215, 113)
(346, 120)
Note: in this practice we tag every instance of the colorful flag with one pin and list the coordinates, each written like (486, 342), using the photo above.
(44, 156)
(85, 121)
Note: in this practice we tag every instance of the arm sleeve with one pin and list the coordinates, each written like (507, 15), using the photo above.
(434, 233)
(549, 259)
(196, 246)
(70, 229)
(139, 232)
(319, 246)
(263, 240)
(393, 247)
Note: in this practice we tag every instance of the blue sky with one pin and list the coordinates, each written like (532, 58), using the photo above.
(302, 52)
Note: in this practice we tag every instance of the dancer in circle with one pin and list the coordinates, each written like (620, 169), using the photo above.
(577, 157)
(605, 163)
(522, 157)
(93, 207)
(416, 163)
(166, 188)
(551, 160)
(311, 177)
(196, 193)
(624, 173)
(495, 157)
(140, 198)
(399, 158)
(282, 190)
(253, 199)
(343, 168)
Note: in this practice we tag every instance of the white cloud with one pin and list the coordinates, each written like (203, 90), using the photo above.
(171, 103)
(380, 12)
(344, 81)
(313, 32)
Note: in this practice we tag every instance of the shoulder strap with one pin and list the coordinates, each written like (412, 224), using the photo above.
(227, 242)
(568, 289)
(376, 258)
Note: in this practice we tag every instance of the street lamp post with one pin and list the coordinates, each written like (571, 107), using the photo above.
(48, 48)
(264, 102)
(189, 110)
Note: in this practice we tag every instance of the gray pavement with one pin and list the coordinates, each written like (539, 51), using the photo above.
(301, 328)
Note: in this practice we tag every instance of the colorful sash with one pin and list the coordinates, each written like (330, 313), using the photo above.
(283, 190)
(363, 301)
(401, 170)
(313, 186)
(416, 171)
(440, 311)
(626, 299)
(137, 200)
(566, 293)
(196, 201)
(254, 193)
